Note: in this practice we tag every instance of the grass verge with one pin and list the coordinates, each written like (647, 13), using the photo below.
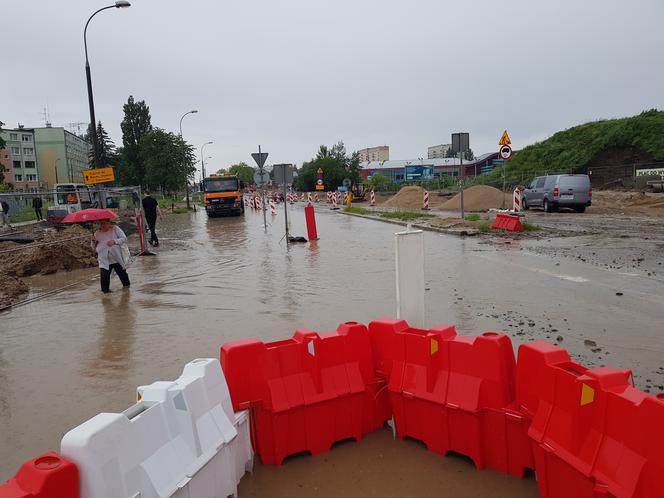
(390, 215)
(472, 217)
(531, 227)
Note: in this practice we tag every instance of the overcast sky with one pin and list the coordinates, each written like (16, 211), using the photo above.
(293, 74)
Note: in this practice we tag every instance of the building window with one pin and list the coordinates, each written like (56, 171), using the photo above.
(31, 178)
(17, 164)
(26, 138)
(29, 164)
(16, 151)
(18, 178)
(28, 151)
(13, 136)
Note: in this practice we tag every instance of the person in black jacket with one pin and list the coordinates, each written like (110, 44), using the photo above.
(4, 214)
(37, 206)
(151, 209)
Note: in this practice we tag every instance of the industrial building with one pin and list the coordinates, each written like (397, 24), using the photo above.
(408, 170)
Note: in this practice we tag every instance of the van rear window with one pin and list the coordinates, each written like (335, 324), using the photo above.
(580, 182)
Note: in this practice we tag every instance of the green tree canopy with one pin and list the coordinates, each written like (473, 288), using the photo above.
(378, 181)
(169, 160)
(136, 124)
(107, 152)
(336, 165)
(243, 171)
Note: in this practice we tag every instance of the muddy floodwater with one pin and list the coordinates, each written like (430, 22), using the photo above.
(76, 353)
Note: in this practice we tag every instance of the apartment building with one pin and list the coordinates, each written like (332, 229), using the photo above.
(19, 159)
(381, 153)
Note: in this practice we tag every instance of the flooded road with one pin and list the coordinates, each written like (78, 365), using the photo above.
(74, 354)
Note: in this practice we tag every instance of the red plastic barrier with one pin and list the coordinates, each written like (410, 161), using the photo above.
(47, 476)
(594, 434)
(307, 392)
(454, 393)
(310, 218)
(507, 222)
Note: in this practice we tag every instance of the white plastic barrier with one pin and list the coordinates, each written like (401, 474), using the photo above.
(181, 440)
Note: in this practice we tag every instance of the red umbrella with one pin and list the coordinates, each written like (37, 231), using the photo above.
(90, 214)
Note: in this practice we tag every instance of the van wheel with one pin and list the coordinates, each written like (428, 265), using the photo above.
(546, 206)
(580, 209)
(524, 204)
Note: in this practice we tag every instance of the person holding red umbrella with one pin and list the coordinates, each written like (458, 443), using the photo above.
(108, 242)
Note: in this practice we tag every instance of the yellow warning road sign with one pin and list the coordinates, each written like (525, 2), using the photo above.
(505, 139)
(99, 175)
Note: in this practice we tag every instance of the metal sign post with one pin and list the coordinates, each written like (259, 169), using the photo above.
(283, 175)
(260, 158)
(505, 152)
(460, 145)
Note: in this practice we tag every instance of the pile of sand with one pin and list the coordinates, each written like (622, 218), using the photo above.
(409, 198)
(68, 249)
(11, 289)
(479, 198)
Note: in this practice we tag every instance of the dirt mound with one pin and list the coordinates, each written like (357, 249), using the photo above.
(64, 250)
(406, 198)
(11, 288)
(479, 198)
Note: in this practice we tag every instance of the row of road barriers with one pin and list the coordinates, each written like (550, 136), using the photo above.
(587, 433)
(182, 439)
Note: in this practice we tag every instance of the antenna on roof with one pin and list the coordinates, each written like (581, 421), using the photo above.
(47, 117)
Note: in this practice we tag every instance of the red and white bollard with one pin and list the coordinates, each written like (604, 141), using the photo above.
(372, 198)
(291, 198)
(316, 197)
(517, 201)
(302, 197)
(273, 207)
(425, 201)
(259, 203)
(334, 202)
(329, 197)
(309, 197)
(338, 197)
(252, 202)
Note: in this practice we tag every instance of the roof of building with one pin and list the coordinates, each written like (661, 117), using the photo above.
(440, 162)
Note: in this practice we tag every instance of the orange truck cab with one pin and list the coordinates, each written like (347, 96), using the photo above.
(222, 194)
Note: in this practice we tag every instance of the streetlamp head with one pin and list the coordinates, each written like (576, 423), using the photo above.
(122, 4)
(194, 111)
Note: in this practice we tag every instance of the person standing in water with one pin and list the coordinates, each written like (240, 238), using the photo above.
(151, 209)
(108, 242)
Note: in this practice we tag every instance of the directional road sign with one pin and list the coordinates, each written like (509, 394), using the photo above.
(261, 177)
(99, 175)
(260, 158)
(505, 139)
(505, 152)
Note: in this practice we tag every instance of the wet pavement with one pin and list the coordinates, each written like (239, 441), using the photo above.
(74, 354)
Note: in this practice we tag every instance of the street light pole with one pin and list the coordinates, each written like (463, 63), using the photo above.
(186, 184)
(203, 160)
(95, 146)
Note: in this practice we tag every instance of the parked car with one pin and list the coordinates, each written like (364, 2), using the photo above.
(559, 191)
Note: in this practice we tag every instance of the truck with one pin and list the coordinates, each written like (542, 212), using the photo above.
(222, 195)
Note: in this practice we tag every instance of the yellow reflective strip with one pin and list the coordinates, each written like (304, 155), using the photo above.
(587, 395)
(434, 346)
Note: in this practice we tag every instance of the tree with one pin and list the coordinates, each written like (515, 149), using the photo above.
(137, 123)
(336, 164)
(467, 156)
(107, 152)
(243, 171)
(169, 161)
(222, 171)
(378, 181)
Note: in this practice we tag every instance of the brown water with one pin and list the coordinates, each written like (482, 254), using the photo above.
(72, 355)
